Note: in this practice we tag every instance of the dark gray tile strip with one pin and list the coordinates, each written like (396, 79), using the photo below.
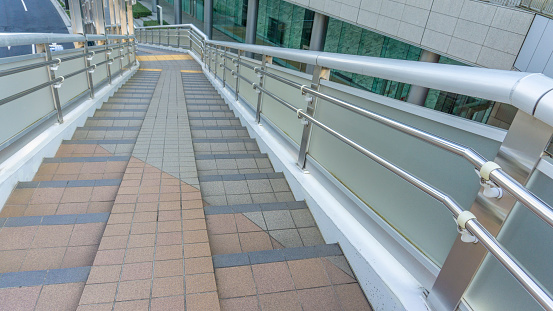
(128, 103)
(52, 220)
(44, 277)
(114, 118)
(222, 128)
(110, 128)
(122, 110)
(230, 156)
(86, 159)
(69, 183)
(206, 110)
(195, 103)
(231, 177)
(246, 208)
(222, 140)
(213, 118)
(99, 141)
(275, 255)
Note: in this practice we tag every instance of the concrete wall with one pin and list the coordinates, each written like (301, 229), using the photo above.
(536, 54)
(470, 31)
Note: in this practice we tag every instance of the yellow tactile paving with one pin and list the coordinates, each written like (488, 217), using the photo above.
(153, 58)
(150, 69)
(191, 71)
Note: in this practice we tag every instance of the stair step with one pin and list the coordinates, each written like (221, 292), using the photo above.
(248, 208)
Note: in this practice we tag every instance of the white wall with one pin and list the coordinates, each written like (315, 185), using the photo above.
(471, 31)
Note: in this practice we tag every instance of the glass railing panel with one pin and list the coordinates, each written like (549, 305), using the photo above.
(528, 239)
(75, 85)
(420, 219)
(245, 89)
(100, 73)
(20, 113)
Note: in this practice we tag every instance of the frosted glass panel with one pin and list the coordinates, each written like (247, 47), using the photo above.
(529, 240)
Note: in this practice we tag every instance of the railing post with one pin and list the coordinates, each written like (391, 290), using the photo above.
(108, 65)
(265, 60)
(168, 38)
(129, 52)
(224, 67)
(88, 74)
(318, 74)
(178, 37)
(216, 62)
(52, 76)
(120, 58)
(237, 64)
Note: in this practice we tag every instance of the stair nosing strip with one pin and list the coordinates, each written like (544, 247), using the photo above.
(68, 183)
(235, 177)
(255, 207)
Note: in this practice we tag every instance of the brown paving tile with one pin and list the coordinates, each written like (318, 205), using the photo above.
(318, 299)
(116, 167)
(65, 177)
(225, 244)
(87, 234)
(167, 303)
(189, 196)
(52, 236)
(145, 217)
(255, 241)
(20, 196)
(335, 274)
(194, 224)
(13, 211)
(276, 244)
(192, 204)
(197, 213)
(169, 286)
(200, 283)
(43, 259)
(169, 189)
(137, 271)
(169, 238)
(272, 277)
(98, 293)
(100, 207)
(109, 257)
(71, 208)
(149, 189)
(47, 168)
(125, 218)
(132, 290)
(93, 167)
(144, 228)
(146, 207)
(169, 226)
(86, 176)
(11, 260)
(41, 210)
(142, 240)
(104, 274)
(122, 208)
(60, 297)
(43, 177)
(235, 282)
(125, 198)
(202, 302)
(149, 182)
(351, 297)
(148, 197)
(19, 299)
(280, 301)
(128, 190)
(79, 256)
(198, 265)
(69, 168)
(169, 206)
(197, 236)
(96, 307)
(248, 303)
(243, 224)
(166, 252)
(47, 195)
(142, 254)
(169, 215)
(76, 194)
(165, 268)
(132, 305)
(167, 197)
(130, 183)
(308, 273)
(196, 250)
(104, 193)
(113, 242)
(118, 229)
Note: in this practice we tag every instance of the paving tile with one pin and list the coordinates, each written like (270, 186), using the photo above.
(109, 257)
(308, 273)
(166, 268)
(248, 303)
(221, 224)
(86, 234)
(255, 241)
(318, 299)
(202, 302)
(198, 265)
(132, 305)
(11, 260)
(287, 237)
(137, 271)
(43, 259)
(167, 303)
(351, 297)
(169, 286)
(272, 277)
(98, 293)
(200, 283)
(79, 256)
(133, 290)
(62, 297)
(280, 301)
(69, 275)
(104, 274)
(225, 244)
(19, 299)
(196, 250)
(52, 236)
(142, 254)
(235, 282)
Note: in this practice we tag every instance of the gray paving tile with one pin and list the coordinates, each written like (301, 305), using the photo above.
(267, 256)
(20, 279)
(280, 219)
(230, 260)
(302, 218)
(287, 237)
(68, 275)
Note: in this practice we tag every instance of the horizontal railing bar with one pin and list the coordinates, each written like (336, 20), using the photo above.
(487, 240)
(28, 91)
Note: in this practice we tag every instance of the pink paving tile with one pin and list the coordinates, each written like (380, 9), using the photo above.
(142, 254)
(22, 298)
(87, 234)
(104, 193)
(109, 257)
(243, 224)
(98, 293)
(132, 305)
(335, 274)
(272, 277)
(235, 282)
(41, 210)
(11, 260)
(17, 237)
(96, 307)
(308, 273)
(200, 283)
(202, 302)
(133, 290)
(351, 297)
(280, 301)
(137, 271)
(43, 259)
(248, 303)
(71, 208)
(169, 238)
(104, 274)
(169, 286)
(318, 299)
(165, 268)
(52, 236)
(167, 303)
(20, 196)
(79, 256)
(60, 297)
(76, 194)
(47, 195)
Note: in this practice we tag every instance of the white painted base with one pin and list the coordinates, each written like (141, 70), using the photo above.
(386, 283)
(23, 165)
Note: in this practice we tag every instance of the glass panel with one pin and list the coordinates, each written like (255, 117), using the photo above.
(229, 17)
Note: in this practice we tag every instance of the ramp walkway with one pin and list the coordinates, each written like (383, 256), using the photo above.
(162, 201)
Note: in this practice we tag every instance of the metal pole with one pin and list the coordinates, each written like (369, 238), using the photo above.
(88, 74)
(225, 67)
(178, 11)
(108, 65)
(178, 37)
(417, 94)
(265, 60)
(208, 18)
(318, 36)
(318, 74)
(52, 76)
(251, 24)
(236, 77)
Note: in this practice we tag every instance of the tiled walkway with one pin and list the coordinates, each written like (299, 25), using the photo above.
(162, 201)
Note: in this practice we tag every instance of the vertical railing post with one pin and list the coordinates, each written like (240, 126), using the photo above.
(88, 74)
(128, 52)
(178, 37)
(120, 45)
(189, 39)
(237, 64)
(108, 64)
(168, 38)
(216, 61)
(319, 73)
(224, 67)
(265, 60)
(52, 76)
